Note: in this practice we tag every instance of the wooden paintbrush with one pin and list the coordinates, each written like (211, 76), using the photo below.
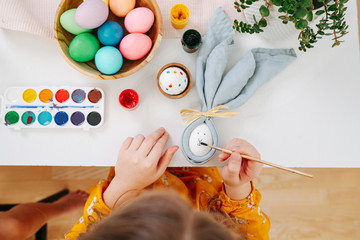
(259, 160)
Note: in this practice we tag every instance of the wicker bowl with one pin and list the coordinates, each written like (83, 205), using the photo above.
(63, 39)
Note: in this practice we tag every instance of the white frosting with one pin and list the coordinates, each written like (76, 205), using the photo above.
(173, 80)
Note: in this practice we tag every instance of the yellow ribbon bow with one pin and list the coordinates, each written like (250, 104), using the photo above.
(190, 115)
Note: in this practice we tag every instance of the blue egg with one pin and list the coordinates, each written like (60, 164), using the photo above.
(108, 60)
(110, 33)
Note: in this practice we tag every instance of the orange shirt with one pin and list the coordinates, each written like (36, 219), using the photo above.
(199, 184)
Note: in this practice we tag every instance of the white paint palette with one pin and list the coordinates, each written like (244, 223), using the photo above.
(52, 107)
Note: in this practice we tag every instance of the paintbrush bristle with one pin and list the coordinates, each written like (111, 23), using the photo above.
(205, 144)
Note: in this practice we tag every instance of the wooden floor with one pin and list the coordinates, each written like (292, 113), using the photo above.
(327, 207)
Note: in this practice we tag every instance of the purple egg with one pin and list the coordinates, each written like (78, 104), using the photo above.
(91, 14)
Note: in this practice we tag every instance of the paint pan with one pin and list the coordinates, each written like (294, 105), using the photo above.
(52, 107)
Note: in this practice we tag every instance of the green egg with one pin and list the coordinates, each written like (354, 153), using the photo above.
(84, 47)
(67, 21)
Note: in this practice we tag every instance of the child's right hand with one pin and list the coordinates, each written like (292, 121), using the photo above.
(238, 172)
(139, 164)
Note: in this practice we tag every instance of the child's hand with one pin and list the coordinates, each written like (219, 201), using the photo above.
(139, 164)
(238, 172)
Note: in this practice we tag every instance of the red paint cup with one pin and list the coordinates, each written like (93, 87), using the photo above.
(129, 99)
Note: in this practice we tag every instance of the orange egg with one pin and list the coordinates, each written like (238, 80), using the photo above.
(121, 7)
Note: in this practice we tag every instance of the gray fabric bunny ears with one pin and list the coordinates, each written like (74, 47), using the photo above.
(218, 92)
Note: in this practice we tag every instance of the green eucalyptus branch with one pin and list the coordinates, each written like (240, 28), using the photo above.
(300, 13)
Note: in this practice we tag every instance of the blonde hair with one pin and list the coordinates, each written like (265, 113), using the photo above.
(163, 215)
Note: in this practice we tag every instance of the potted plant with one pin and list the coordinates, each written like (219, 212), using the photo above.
(300, 13)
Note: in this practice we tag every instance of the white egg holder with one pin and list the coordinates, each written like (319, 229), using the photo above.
(12, 100)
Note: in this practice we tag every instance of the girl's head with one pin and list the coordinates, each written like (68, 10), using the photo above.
(160, 216)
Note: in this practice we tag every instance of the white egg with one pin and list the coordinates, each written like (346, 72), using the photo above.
(173, 80)
(200, 134)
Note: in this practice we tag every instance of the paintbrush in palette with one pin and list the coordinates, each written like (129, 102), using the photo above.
(259, 160)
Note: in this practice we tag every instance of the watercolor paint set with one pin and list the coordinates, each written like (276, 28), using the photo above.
(52, 107)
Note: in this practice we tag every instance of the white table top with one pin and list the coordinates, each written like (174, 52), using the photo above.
(307, 116)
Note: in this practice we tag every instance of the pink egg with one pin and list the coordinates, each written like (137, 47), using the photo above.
(91, 14)
(135, 46)
(139, 20)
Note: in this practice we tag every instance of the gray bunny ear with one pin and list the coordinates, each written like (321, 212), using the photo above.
(256, 68)
(189, 132)
(213, 56)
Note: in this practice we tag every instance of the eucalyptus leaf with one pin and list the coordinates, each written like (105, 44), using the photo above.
(264, 11)
(300, 13)
(309, 16)
(277, 2)
(305, 3)
(332, 8)
(301, 24)
(319, 12)
(262, 23)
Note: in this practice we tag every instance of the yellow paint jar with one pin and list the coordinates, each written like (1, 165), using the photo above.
(179, 16)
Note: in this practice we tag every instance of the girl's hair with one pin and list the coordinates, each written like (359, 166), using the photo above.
(162, 215)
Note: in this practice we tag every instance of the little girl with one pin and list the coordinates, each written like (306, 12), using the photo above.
(212, 206)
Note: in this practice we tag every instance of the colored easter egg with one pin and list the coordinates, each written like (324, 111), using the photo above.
(173, 80)
(110, 33)
(108, 60)
(84, 47)
(121, 7)
(200, 134)
(135, 46)
(91, 14)
(67, 21)
(139, 20)
(105, 1)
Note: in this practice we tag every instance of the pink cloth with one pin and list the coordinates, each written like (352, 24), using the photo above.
(37, 16)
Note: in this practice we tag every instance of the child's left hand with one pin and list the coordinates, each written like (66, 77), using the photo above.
(238, 172)
(139, 164)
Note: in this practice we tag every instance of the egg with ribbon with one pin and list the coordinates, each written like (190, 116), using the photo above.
(201, 133)
(173, 80)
